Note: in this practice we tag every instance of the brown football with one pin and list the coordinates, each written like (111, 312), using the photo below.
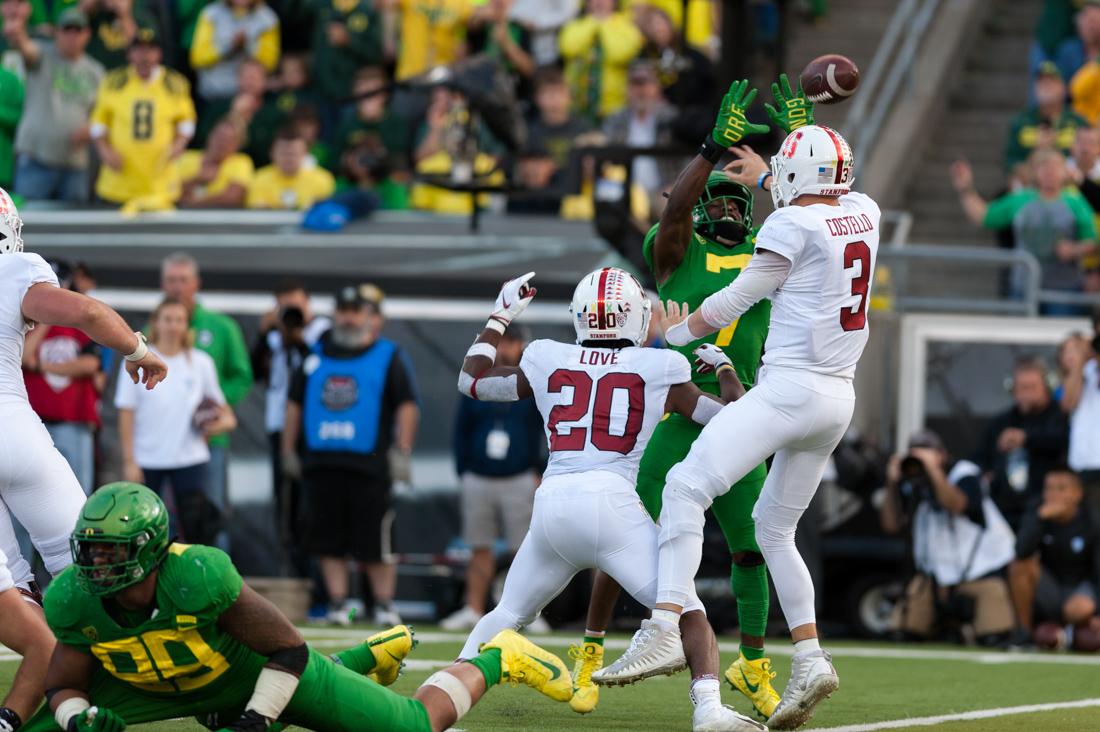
(830, 79)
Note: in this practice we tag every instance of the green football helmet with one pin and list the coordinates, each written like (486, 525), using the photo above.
(120, 537)
(720, 187)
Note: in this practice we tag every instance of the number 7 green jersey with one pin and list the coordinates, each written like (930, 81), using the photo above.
(707, 267)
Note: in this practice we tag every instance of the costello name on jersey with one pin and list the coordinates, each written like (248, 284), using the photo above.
(848, 225)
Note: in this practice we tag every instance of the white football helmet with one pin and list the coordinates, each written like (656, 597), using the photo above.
(813, 159)
(609, 305)
(11, 226)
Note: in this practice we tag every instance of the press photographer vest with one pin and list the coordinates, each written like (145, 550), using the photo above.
(343, 399)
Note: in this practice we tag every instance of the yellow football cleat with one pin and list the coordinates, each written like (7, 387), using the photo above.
(588, 658)
(522, 662)
(754, 680)
(390, 648)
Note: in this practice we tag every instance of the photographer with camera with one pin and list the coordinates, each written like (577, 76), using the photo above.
(960, 544)
(286, 334)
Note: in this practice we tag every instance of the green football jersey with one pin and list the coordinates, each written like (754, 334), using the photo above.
(179, 649)
(707, 267)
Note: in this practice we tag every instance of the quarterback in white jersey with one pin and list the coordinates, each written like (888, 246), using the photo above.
(601, 399)
(815, 257)
(36, 484)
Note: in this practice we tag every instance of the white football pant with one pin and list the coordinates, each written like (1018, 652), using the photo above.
(580, 521)
(39, 489)
(799, 416)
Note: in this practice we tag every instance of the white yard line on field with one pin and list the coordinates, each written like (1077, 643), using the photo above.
(960, 717)
(325, 635)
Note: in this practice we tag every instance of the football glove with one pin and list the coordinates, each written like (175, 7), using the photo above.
(250, 721)
(513, 299)
(708, 357)
(732, 125)
(794, 110)
(96, 719)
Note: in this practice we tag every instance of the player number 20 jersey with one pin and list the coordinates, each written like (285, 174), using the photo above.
(819, 314)
(600, 405)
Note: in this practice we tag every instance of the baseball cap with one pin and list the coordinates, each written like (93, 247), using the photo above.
(926, 438)
(73, 18)
(358, 295)
(147, 35)
(1048, 68)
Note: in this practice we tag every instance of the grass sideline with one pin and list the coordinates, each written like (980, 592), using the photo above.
(879, 683)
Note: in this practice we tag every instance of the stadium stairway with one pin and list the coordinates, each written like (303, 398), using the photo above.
(985, 94)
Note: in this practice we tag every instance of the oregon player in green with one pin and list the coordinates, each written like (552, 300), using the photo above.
(705, 238)
(150, 630)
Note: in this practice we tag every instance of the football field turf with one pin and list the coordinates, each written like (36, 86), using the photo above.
(937, 687)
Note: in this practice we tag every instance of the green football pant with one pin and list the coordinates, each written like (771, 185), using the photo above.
(670, 443)
(329, 698)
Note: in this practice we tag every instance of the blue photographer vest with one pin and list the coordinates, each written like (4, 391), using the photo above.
(343, 399)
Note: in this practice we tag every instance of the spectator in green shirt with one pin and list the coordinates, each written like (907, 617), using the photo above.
(1050, 220)
(220, 336)
(347, 35)
(11, 110)
(372, 144)
(1050, 122)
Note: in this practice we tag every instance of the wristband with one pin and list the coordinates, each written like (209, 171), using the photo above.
(69, 709)
(487, 350)
(141, 351)
(724, 366)
(497, 324)
(763, 177)
(711, 151)
(679, 334)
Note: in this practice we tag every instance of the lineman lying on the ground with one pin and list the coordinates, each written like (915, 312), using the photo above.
(151, 630)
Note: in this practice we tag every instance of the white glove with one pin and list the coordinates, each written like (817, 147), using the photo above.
(513, 299)
(708, 357)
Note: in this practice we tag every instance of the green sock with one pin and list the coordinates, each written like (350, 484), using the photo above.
(597, 639)
(358, 658)
(750, 587)
(488, 663)
(753, 654)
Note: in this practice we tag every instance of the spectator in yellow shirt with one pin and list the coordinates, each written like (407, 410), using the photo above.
(597, 48)
(219, 176)
(227, 32)
(288, 183)
(432, 34)
(141, 123)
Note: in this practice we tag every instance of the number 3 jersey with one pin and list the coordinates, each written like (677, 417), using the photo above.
(600, 405)
(179, 649)
(819, 314)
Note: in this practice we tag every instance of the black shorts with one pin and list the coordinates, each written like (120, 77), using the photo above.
(348, 514)
(1051, 595)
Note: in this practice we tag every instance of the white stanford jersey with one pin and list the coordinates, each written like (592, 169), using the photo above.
(819, 314)
(600, 405)
(17, 273)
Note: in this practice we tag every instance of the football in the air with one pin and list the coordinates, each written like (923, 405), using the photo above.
(830, 79)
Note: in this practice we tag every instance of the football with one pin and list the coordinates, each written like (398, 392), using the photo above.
(830, 79)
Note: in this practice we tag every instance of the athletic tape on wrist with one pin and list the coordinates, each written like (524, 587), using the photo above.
(722, 366)
(69, 709)
(496, 324)
(679, 334)
(488, 350)
(273, 691)
(140, 351)
(454, 689)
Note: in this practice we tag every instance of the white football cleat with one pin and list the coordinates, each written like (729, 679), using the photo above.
(654, 650)
(813, 678)
(723, 718)
(538, 626)
(464, 619)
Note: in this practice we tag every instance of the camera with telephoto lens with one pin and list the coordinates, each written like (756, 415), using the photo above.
(915, 485)
(292, 321)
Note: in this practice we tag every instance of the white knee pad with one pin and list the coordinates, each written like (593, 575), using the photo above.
(454, 689)
(682, 511)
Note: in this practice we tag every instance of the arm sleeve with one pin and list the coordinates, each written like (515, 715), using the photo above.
(11, 110)
(1001, 211)
(266, 48)
(767, 270)
(1082, 212)
(399, 383)
(679, 368)
(236, 377)
(204, 52)
(210, 388)
(1027, 538)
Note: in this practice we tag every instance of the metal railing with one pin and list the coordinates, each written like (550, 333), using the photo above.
(890, 66)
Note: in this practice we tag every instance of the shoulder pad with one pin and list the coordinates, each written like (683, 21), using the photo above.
(198, 578)
(176, 83)
(63, 602)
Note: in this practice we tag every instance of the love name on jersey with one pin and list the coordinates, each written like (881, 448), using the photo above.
(848, 225)
(599, 358)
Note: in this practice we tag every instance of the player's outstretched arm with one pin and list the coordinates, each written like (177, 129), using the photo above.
(480, 378)
(51, 305)
(259, 625)
(67, 683)
(674, 233)
(690, 401)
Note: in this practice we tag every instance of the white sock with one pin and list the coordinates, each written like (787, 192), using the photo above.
(595, 633)
(705, 692)
(804, 646)
(666, 619)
